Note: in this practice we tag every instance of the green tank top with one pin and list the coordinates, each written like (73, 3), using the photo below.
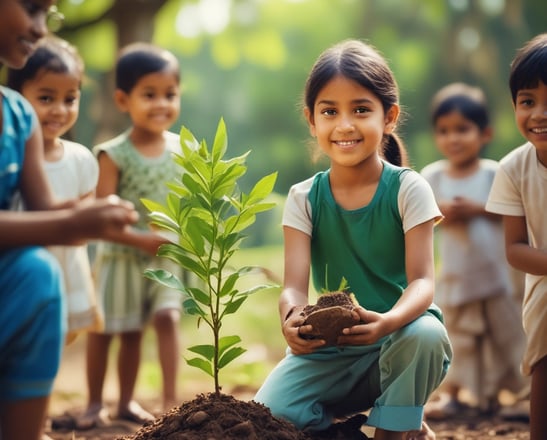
(365, 246)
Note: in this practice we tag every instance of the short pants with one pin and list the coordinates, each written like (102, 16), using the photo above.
(32, 322)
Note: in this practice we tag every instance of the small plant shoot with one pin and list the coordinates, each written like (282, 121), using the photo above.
(208, 214)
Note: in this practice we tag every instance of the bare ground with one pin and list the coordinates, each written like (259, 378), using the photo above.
(68, 401)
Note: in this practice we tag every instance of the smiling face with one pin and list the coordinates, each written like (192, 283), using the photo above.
(349, 122)
(459, 139)
(531, 117)
(23, 25)
(56, 99)
(154, 103)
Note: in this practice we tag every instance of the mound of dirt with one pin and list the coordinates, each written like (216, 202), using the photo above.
(221, 416)
(331, 314)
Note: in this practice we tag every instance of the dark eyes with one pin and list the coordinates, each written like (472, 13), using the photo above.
(333, 112)
(32, 8)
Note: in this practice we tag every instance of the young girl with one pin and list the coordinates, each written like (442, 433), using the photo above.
(137, 164)
(369, 222)
(51, 82)
(474, 286)
(31, 305)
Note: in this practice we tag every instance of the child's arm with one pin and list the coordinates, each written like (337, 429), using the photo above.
(294, 296)
(519, 253)
(105, 219)
(107, 185)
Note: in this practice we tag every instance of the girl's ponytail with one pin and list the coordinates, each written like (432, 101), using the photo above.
(394, 151)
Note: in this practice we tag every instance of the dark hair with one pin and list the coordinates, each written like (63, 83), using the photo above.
(52, 54)
(468, 100)
(361, 63)
(139, 59)
(529, 66)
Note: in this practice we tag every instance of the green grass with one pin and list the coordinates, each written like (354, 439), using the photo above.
(256, 322)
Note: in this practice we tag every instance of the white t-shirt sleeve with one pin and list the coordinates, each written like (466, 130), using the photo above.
(416, 201)
(297, 210)
(504, 197)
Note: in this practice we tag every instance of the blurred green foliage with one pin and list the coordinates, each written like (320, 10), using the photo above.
(247, 60)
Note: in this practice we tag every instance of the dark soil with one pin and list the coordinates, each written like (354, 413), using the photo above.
(212, 417)
(215, 417)
(331, 315)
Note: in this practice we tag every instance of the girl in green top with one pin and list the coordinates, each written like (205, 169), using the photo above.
(369, 220)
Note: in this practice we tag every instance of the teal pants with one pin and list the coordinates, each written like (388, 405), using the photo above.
(394, 378)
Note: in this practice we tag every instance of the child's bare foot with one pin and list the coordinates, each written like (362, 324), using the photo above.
(135, 413)
(93, 417)
(426, 433)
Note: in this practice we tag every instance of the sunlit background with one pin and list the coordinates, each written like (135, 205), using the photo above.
(247, 61)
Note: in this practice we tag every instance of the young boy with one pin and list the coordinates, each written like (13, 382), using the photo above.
(519, 193)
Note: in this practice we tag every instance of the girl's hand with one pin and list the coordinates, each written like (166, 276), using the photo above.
(374, 326)
(150, 242)
(295, 332)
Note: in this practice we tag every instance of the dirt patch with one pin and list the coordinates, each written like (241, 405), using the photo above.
(68, 401)
(213, 418)
(217, 417)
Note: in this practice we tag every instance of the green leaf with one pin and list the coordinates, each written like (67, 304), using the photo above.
(165, 278)
(207, 351)
(262, 188)
(229, 284)
(201, 364)
(199, 295)
(196, 229)
(234, 304)
(188, 142)
(152, 206)
(226, 342)
(230, 355)
(221, 141)
(191, 307)
(175, 253)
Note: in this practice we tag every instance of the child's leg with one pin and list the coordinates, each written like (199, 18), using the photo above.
(538, 401)
(306, 389)
(31, 340)
(23, 419)
(98, 345)
(166, 323)
(129, 358)
(413, 362)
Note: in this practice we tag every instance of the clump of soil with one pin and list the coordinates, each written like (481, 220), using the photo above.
(218, 416)
(221, 416)
(331, 314)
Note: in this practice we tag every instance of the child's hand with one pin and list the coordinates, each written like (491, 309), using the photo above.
(104, 218)
(460, 209)
(150, 242)
(293, 330)
(374, 326)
